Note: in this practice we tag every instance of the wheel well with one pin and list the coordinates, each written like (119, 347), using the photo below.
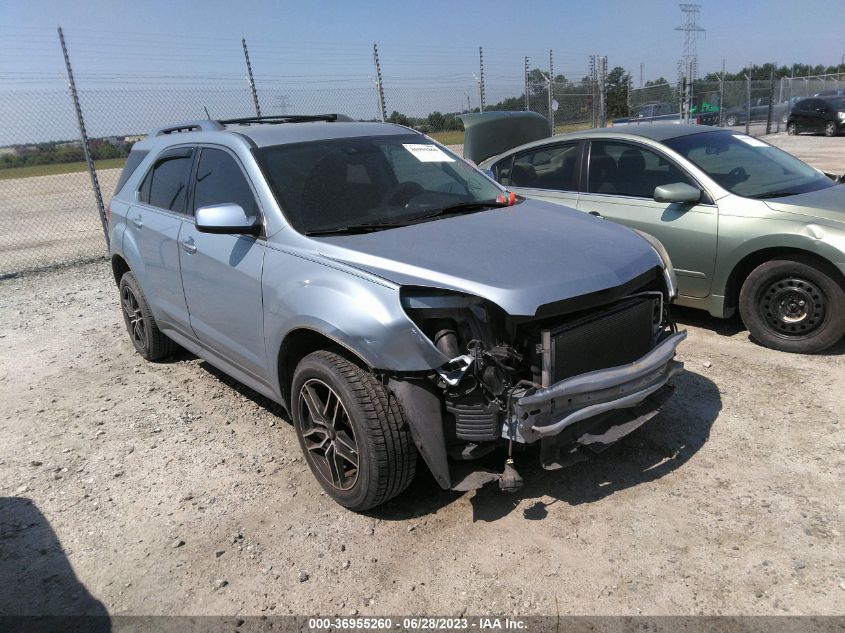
(119, 267)
(297, 345)
(748, 263)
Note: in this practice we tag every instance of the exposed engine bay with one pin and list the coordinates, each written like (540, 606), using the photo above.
(579, 373)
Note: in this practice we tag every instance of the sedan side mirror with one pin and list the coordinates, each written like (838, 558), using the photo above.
(679, 192)
(226, 218)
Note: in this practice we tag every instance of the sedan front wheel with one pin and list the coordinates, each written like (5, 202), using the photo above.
(794, 305)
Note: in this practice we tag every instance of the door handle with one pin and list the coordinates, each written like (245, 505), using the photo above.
(188, 245)
(596, 214)
(137, 222)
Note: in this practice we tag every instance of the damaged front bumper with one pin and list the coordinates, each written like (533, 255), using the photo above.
(604, 405)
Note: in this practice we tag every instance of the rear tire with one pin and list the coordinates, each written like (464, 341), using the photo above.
(352, 431)
(793, 305)
(830, 129)
(143, 330)
(792, 128)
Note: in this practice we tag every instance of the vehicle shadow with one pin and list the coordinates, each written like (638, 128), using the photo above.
(729, 327)
(40, 591)
(661, 446)
(704, 320)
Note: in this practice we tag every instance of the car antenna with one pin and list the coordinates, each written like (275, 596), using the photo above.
(207, 115)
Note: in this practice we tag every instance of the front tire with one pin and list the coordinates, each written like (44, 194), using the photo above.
(830, 129)
(731, 121)
(792, 128)
(793, 305)
(352, 431)
(143, 330)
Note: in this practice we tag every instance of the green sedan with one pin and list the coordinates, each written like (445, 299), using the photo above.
(747, 226)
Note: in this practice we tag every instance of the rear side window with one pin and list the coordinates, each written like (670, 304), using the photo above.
(548, 167)
(135, 158)
(166, 184)
(221, 181)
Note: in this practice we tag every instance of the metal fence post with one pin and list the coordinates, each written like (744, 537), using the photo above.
(722, 100)
(251, 79)
(382, 107)
(481, 78)
(527, 102)
(551, 93)
(747, 104)
(602, 122)
(86, 149)
(771, 102)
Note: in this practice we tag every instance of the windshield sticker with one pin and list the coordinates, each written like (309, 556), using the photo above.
(751, 141)
(428, 153)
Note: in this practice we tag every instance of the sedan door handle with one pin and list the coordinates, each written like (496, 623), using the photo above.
(596, 214)
(188, 245)
(137, 222)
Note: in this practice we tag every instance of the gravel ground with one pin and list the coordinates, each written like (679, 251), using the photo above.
(141, 488)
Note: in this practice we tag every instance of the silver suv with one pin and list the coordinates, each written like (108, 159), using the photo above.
(395, 300)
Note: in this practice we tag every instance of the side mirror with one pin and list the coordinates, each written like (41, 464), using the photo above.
(226, 218)
(678, 192)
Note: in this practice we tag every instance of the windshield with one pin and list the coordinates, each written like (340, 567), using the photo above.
(747, 166)
(372, 183)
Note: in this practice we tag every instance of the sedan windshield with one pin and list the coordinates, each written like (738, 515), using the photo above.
(748, 166)
(372, 183)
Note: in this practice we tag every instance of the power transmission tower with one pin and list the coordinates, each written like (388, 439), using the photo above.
(688, 63)
(642, 68)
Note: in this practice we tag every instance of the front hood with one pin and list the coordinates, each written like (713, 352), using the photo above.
(825, 204)
(519, 257)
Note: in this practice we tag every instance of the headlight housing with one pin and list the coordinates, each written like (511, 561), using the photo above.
(841, 115)
(668, 269)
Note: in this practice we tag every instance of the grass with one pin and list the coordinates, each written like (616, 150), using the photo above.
(451, 137)
(456, 137)
(58, 168)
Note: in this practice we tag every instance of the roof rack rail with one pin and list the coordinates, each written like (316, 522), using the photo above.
(204, 125)
(287, 118)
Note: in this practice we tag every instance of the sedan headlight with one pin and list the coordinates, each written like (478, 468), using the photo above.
(668, 269)
(841, 115)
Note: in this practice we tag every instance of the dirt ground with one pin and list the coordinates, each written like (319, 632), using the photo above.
(138, 488)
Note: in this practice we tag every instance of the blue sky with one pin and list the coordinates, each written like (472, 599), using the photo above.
(415, 37)
(309, 50)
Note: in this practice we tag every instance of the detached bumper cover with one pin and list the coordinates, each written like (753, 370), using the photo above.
(547, 412)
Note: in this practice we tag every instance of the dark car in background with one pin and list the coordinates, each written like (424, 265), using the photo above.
(818, 114)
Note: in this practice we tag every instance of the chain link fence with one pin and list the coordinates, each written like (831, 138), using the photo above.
(48, 211)
(48, 206)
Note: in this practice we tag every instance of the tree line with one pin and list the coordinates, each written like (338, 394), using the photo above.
(61, 152)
